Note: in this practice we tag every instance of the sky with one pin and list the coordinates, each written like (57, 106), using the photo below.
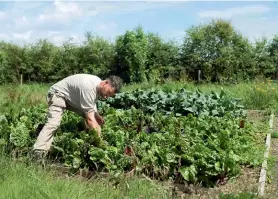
(27, 21)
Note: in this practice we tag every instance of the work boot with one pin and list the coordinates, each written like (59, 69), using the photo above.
(39, 156)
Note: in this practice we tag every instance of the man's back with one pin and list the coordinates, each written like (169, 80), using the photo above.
(79, 90)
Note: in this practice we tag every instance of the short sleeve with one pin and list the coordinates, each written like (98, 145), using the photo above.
(88, 100)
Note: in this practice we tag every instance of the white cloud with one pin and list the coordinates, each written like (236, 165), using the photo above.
(21, 21)
(52, 33)
(252, 21)
(63, 12)
(4, 36)
(257, 27)
(110, 26)
(58, 21)
(2, 14)
(23, 35)
(58, 39)
(174, 35)
(129, 7)
(234, 12)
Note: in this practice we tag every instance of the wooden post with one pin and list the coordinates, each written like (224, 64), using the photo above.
(21, 79)
(262, 179)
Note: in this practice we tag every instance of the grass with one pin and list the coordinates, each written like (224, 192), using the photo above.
(20, 181)
(16, 97)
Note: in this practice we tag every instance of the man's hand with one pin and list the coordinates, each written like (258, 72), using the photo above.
(92, 123)
(99, 118)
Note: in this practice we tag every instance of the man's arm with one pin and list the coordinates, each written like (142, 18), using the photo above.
(92, 123)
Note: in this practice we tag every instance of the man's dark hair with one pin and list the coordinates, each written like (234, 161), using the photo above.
(116, 82)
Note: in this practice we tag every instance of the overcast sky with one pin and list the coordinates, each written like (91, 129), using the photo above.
(59, 20)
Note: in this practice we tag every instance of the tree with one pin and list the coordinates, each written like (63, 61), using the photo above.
(131, 55)
(13, 58)
(163, 57)
(217, 50)
(40, 61)
(262, 60)
(273, 53)
(96, 56)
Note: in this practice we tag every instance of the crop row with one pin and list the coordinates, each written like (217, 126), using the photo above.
(180, 102)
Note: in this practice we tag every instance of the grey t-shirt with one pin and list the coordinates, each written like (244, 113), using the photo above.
(79, 91)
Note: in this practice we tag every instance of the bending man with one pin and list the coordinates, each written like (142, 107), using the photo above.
(78, 93)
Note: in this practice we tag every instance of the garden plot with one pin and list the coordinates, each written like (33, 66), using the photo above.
(186, 137)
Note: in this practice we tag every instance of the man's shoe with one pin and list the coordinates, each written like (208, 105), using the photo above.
(39, 156)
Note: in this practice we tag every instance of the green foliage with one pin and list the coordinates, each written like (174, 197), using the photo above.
(96, 56)
(41, 58)
(179, 102)
(273, 50)
(274, 134)
(216, 48)
(163, 59)
(218, 51)
(262, 58)
(131, 49)
(262, 95)
(202, 149)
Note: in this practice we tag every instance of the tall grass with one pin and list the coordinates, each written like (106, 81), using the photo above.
(20, 181)
(16, 97)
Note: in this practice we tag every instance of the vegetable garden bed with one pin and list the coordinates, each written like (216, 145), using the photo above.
(186, 138)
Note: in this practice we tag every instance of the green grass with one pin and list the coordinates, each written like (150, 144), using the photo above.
(20, 181)
(16, 97)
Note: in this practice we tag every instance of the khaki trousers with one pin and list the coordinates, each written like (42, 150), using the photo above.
(56, 107)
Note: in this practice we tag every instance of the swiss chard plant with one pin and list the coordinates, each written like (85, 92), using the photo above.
(204, 149)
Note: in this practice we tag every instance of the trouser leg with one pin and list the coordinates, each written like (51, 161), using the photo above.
(56, 108)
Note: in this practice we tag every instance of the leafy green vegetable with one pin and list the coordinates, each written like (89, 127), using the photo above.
(180, 102)
(194, 149)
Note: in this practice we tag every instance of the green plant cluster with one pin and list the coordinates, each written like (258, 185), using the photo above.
(180, 102)
(216, 48)
(197, 149)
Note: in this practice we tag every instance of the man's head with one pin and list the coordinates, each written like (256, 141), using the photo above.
(110, 86)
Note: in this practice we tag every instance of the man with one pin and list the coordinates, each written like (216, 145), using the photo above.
(78, 93)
